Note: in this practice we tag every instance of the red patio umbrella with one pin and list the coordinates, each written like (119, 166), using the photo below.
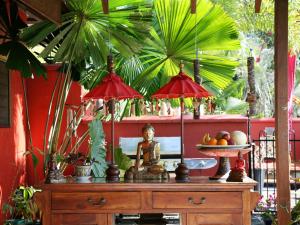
(112, 88)
(181, 86)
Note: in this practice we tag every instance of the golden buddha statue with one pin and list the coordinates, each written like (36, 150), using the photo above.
(150, 150)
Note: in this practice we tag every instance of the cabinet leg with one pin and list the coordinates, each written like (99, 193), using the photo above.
(183, 219)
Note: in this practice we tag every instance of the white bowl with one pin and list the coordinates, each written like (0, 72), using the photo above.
(200, 163)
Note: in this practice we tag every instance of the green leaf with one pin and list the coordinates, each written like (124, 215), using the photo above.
(97, 148)
(28, 64)
(121, 159)
(173, 38)
(124, 27)
(35, 160)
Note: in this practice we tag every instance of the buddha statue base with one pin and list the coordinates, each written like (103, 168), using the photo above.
(148, 173)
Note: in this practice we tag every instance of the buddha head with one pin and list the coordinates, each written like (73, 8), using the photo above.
(148, 132)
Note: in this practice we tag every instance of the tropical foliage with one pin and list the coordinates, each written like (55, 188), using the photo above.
(257, 39)
(176, 35)
(89, 31)
(11, 47)
(22, 204)
(97, 148)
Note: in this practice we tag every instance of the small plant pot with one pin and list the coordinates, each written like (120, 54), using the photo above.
(83, 173)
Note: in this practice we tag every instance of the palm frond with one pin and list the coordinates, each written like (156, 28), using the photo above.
(123, 27)
(28, 64)
(173, 37)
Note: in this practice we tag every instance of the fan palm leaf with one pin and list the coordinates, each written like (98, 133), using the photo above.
(27, 64)
(123, 27)
(173, 37)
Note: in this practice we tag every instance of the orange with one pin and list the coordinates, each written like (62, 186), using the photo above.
(222, 141)
(212, 141)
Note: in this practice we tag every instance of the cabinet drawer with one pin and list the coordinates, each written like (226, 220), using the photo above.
(96, 200)
(190, 200)
(214, 219)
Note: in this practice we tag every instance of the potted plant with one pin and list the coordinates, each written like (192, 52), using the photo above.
(296, 214)
(82, 165)
(22, 208)
(268, 208)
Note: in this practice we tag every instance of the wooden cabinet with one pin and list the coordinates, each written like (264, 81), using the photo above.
(200, 201)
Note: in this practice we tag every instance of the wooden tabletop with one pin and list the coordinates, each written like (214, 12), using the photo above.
(195, 184)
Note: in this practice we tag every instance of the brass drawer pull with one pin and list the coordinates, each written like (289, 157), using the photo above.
(99, 202)
(202, 201)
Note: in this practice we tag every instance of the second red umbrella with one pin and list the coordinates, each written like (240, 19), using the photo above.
(181, 86)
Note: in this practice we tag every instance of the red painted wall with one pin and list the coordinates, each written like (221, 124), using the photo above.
(13, 144)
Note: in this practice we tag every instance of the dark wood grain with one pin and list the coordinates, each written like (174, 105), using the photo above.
(44, 9)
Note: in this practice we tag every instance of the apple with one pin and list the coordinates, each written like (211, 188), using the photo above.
(226, 137)
(220, 134)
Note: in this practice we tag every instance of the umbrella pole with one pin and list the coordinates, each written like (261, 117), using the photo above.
(112, 172)
(182, 172)
(112, 131)
(181, 129)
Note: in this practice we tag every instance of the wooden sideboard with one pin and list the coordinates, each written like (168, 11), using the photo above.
(199, 202)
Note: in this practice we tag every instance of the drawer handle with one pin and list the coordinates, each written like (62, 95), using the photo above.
(202, 201)
(99, 202)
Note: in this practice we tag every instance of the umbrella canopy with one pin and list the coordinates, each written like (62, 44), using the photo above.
(112, 87)
(181, 86)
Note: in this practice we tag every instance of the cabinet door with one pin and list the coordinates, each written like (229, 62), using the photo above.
(79, 219)
(214, 219)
